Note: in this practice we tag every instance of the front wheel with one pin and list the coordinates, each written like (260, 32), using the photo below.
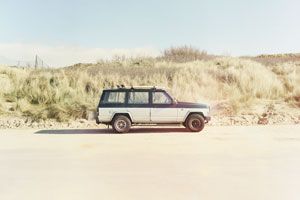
(195, 123)
(121, 124)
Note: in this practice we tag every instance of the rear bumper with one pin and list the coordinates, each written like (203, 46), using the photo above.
(97, 120)
(207, 119)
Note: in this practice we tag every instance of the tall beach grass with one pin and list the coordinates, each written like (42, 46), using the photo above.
(69, 93)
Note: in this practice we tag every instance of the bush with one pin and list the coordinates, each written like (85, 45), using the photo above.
(183, 54)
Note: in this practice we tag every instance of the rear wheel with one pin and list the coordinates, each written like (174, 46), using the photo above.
(121, 124)
(195, 123)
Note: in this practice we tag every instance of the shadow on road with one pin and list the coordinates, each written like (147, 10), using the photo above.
(110, 131)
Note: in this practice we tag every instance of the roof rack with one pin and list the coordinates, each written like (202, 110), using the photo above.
(120, 86)
(136, 87)
(143, 87)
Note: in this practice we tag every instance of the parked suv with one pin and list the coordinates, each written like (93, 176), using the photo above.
(123, 107)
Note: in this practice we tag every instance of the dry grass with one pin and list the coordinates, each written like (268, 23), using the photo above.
(70, 92)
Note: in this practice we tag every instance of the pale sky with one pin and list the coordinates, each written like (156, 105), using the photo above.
(64, 32)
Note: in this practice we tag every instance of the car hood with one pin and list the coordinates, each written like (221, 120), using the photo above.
(190, 105)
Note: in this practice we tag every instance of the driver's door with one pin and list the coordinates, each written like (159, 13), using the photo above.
(163, 110)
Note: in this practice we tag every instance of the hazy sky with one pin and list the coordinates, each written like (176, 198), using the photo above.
(64, 32)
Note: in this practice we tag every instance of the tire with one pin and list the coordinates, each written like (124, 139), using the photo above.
(195, 123)
(121, 124)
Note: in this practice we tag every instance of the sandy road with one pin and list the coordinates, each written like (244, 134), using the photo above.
(260, 162)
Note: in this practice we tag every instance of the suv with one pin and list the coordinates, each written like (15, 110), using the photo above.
(123, 107)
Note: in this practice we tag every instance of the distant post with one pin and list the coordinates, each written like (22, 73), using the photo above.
(36, 62)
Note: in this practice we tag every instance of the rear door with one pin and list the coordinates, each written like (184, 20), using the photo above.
(163, 110)
(138, 105)
(111, 102)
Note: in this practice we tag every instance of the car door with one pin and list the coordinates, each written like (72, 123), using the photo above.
(138, 105)
(163, 109)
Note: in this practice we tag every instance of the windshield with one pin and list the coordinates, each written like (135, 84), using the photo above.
(171, 95)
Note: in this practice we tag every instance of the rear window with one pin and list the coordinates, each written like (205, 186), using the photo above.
(113, 97)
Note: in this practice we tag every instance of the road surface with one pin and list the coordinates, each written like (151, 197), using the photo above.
(242, 163)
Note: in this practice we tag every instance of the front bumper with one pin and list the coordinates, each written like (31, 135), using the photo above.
(207, 119)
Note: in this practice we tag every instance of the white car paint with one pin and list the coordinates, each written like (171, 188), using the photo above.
(150, 115)
(164, 115)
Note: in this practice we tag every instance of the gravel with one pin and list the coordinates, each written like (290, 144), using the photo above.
(9, 122)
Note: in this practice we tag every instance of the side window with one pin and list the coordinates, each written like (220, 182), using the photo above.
(160, 98)
(138, 98)
(114, 97)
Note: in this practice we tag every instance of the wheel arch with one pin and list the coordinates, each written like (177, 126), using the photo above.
(121, 113)
(191, 113)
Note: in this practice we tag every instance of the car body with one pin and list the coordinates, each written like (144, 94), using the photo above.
(147, 105)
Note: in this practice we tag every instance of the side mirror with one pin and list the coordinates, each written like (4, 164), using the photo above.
(175, 101)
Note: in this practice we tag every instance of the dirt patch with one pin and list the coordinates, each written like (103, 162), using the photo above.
(87, 146)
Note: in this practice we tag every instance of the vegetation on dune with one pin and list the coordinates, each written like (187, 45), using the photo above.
(184, 54)
(70, 92)
(274, 59)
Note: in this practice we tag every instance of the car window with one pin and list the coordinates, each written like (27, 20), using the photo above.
(161, 98)
(138, 98)
(114, 97)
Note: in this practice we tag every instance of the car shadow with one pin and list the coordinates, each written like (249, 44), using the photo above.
(110, 131)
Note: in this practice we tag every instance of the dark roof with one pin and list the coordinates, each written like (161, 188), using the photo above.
(136, 88)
